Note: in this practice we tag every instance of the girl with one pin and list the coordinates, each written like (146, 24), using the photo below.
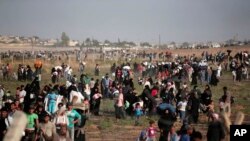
(138, 113)
(151, 131)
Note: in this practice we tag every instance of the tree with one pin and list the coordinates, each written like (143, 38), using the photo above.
(145, 44)
(107, 42)
(173, 43)
(83, 45)
(132, 44)
(95, 43)
(88, 42)
(185, 45)
(65, 39)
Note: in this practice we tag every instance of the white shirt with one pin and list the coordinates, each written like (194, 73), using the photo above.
(62, 119)
(22, 95)
(70, 71)
(182, 105)
(78, 95)
(55, 73)
(1, 93)
(147, 83)
(120, 100)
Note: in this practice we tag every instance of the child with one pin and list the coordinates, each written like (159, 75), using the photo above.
(210, 110)
(151, 131)
(138, 113)
(182, 108)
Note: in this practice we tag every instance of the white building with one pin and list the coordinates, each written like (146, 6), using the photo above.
(73, 43)
(50, 42)
(216, 45)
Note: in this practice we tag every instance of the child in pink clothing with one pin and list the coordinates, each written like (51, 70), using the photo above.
(152, 131)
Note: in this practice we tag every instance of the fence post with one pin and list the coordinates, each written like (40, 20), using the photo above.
(12, 60)
(23, 57)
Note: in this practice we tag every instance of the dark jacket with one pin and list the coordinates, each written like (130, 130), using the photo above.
(215, 131)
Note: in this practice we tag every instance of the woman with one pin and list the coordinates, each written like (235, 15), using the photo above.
(92, 92)
(119, 105)
(40, 111)
(96, 101)
(61, 120)
(214, 79)
(43, 93)
(172, 135)
(206, 96)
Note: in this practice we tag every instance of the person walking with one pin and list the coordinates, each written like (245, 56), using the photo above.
(61, 120)
(47, 129)
(119, 106)
(215, 130)
(182, 108)
(33, 123)
(138, 113)
(73, 117)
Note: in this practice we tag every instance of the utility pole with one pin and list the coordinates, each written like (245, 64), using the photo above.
(32, 46)
(159, 40)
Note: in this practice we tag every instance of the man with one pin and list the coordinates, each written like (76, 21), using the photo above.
(62, 136)
(82, 67)
(105, 84)
(3, 124)
(22, 94)
(215, 130)
(73, 117)
(225, 102)
(48, 129)
(11, 113)
(32, 124)
(1, 95)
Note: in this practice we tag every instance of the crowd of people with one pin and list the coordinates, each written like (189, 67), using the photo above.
(170, 90)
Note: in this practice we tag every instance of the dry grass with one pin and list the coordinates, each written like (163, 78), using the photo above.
(197, 52)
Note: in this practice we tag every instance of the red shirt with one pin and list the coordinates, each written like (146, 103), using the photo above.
(151, 132)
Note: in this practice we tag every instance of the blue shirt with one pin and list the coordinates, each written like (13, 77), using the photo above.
(138, 112)
(185, 137)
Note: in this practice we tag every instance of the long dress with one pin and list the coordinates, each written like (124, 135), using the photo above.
(214, 80)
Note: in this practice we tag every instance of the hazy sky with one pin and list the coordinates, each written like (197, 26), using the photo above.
(136, 20)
